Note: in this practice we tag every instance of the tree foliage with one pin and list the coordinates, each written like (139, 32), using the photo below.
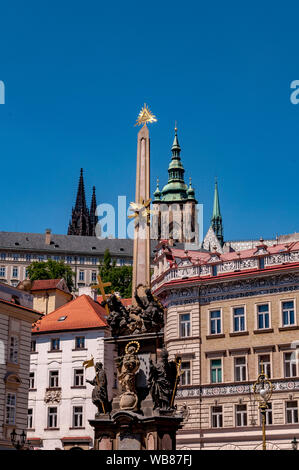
(119, 276)
(51, 269)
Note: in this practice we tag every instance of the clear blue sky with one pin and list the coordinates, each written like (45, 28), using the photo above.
(77, 74)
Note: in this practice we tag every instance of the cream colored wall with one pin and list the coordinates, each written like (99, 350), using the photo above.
(252, 339)
(55, 300)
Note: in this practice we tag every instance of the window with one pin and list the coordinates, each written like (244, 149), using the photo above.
(215, 322)
(78, 377)
(41, 257)
(10, 414)
(216, 371)
(93, 276)
(55, 344)
(263, 316)
(31, 380)
(290, 369)
(80, 342)
(15, 256)
(217, 417)
(81, 275)
(52, 417)
(69, 259)
(56, 258)
(262, 263)
(15, 271)
(30, 419)
(292, 412)
(53, 378)
(186, 373)
(240, 369)
(241, 415)
(3, 256)
(288, 313)
(214, 270)
(266, 361)
(239, 319)
(82, 259)
(33, 345)
(185, 325)
(13, 349)
(2, 271)
(93, 260)
(77, 416)
(28, 257)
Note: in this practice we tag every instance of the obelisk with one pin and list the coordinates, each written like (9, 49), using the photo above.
(142, 246)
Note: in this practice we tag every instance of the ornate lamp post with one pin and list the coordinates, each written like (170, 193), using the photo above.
(18, 440)
(262, 391)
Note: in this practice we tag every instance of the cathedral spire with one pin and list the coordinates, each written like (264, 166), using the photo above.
(80, 221)
(93, 217)
(216, 221)
(80, 201)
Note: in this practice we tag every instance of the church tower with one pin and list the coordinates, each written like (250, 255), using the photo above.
(80, 223)
(174, 207)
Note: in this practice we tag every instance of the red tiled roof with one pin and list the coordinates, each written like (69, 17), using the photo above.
(80, 313)
(48, 284)
(203, 257)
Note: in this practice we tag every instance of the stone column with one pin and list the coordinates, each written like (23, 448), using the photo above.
(141, 252)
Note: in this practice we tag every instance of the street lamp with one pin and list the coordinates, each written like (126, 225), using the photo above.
(18, 440)
(294, 443)
(263, 390)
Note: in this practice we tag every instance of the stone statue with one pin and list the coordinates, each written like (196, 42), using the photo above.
(163, 380)
(118, 319)
(147, 316)
(127, 366)
(99, 393)
(152, 311)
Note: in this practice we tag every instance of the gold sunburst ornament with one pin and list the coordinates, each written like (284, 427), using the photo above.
(140, 209)
(145, 116)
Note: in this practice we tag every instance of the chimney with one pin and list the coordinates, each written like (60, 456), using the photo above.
(48, 236)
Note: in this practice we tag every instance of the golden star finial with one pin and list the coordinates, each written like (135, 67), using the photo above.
(145, 116)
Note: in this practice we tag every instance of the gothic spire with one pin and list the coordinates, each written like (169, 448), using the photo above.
(80, 201)
(216, 221)
(80, 221)
(93, 217)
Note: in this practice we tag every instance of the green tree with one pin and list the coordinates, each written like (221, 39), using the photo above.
(51, 270)
(119, 276)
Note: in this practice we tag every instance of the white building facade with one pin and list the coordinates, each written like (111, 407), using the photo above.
(60, 403)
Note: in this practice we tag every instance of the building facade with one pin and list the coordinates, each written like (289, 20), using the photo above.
(226, 315)
(16, 317)
(60, 403)
(83, 254)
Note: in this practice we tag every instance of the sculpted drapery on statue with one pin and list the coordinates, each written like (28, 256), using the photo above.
(163, 380)
(146, 317)
(100, 393)
(127, 366)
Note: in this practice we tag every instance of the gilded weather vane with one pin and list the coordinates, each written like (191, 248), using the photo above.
(145, 116)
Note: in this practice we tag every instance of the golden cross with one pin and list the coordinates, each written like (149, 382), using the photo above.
(101, 285)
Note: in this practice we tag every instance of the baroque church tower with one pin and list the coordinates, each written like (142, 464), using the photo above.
(83, 221)
(174, 207)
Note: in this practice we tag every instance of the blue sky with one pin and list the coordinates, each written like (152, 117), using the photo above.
(77, 74)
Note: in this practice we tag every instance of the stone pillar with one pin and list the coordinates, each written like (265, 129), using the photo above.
(141, 251)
